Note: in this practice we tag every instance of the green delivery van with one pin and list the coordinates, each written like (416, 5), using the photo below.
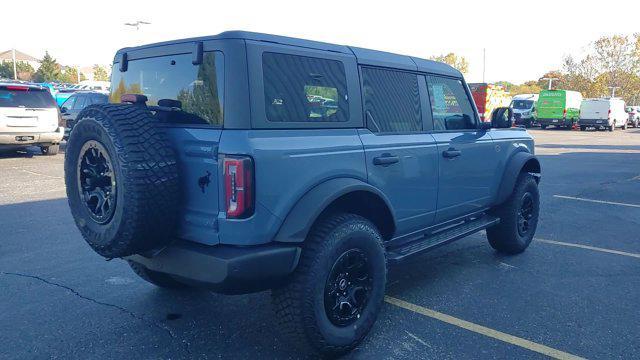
(560, 108)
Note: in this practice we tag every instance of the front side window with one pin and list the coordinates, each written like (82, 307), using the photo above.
(450, 105)
(198, 89)
(80, 102)
(304, 89)
(68, 104)
(391, 100)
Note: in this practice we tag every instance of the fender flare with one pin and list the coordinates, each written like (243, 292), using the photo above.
(515, 164)
(304, 213)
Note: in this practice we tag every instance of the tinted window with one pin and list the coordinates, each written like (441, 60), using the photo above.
(304, 89)
(17, 96)
(391, 100)
(81, 102)
(69, 102)
(450, 104)
(198, 88)
(98, 99)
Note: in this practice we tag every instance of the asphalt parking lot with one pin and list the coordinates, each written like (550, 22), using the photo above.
(574, 292)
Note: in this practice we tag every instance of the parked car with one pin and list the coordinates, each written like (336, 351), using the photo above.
(488, 97)
(29, 117)
(634, 115)
(524, 109)
(603, 113)
(75, 103)
(560, 108)
(277, 194)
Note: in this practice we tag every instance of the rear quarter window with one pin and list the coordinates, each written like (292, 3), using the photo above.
(199, 89)
(304, 89)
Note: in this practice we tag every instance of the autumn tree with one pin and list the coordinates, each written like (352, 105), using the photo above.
(457, 61)
(100, 73)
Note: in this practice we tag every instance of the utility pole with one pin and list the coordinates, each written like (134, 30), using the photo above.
(15, 67)
(613, 90)
(550, 81)
(137, 24)
(484, 62)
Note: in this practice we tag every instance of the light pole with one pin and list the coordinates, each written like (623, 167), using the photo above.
(550, 81)
(613, 90)
(15, 67)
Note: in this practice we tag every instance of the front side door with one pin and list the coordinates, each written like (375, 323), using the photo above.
(467, 156)
(401, 158)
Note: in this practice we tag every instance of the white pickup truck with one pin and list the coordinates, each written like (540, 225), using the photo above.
(29, 116)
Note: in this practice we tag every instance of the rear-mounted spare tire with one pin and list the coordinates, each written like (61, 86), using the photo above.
(121, 177)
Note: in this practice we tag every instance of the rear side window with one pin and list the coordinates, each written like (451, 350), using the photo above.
(450, 104)
(199, 89)
(304, 89)
(21, 96)
(391, 100)
(81, 102)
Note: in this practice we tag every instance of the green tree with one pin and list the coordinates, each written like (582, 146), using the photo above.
(70, 75)
(49, 69)
(100, 73)
(24, 69)
(457, 61)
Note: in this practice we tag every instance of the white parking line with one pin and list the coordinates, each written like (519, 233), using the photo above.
(587, 247)
(596, 201)
(483, 330)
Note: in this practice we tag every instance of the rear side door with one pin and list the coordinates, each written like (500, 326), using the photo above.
(401, 157)
(468, 160)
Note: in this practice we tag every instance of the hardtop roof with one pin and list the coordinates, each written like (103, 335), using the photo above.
(363, 56)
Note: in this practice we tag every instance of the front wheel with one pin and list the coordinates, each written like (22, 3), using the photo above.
(335, 295)
(518, 217)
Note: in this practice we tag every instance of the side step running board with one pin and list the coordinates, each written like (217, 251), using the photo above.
(429, 242)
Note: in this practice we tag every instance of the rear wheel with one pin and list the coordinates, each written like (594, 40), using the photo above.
(612, 127)
(518, 217)
(335, 295)
(156, 278)
(50, 150)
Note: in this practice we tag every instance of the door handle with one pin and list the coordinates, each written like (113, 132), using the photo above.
(385, 160)
(451, 153)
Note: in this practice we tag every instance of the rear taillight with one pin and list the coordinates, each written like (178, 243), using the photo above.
(564, 113)
(17, 88)
(609, 114)
(238, 186)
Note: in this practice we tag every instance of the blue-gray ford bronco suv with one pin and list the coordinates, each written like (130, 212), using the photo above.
(243, 162)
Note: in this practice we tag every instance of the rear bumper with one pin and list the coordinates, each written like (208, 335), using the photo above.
(594, 122)
(223, 268)
(31, 138)
(556, 122)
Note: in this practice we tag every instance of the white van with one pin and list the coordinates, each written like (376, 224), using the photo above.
(29, 117)
(524, 106)
(603, 113)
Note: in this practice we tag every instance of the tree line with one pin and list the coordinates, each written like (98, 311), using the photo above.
(611, 63)
(49, 71)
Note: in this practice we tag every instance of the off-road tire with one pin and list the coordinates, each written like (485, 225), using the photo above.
(299, 305)
(156, 278)
(583, 128)
(50, 150)
(505, 237)
(145, 180)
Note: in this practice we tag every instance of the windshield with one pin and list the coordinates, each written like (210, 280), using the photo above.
(25, 97)
(522, 104)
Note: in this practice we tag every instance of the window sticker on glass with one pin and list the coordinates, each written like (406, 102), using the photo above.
(439, 101)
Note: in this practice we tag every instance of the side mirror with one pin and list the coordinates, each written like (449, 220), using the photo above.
(502, 118)
(64, 110)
